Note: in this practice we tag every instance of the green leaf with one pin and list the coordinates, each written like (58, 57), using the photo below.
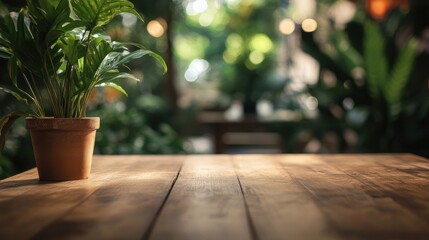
(400, 73)
(96, 13)
(7, 29)
(98, 50)
(5, 53)
(157, 57)
(347, 57)
(16, 37)
(114, 60)
(15, 94)
(114, 76)
(71, 47)
(48, 19)
(6, 123)
(72, 25)
(52, 36)
(12, 67)
(113, 85)
(375, 58)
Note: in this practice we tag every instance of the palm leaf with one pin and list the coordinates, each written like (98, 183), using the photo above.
(108, 74)
(15, 94)
(157, 57)
(98, 51)
(400, 73)
(48, 19)
(7, 29)
(347, 57)
(16, 37)
(375, 59)
(6, 123)
(13, 69)
(115, 60)
(113, 85)
(96, 13)
(115, 76)
(71, 47)
(5, 53)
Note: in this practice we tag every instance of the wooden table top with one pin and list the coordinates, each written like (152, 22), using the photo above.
(225, 197)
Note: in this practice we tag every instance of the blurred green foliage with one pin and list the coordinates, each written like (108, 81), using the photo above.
(136, 128)
(381, 88)
(239, 40)
(138, 124)
(372, 91)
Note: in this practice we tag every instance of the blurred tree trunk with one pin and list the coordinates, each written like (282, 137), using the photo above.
(170, 87)
(165, 9)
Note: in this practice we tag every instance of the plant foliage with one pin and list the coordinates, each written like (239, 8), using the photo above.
(386, 88)
(58, 52)
(381, 84)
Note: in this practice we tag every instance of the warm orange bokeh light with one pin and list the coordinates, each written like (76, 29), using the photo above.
(379, 8)
(157, 27)
(287, 26)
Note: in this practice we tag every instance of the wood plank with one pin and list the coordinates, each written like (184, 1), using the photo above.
(390, 176)
(122, 207)
(412, 164)
(205, 203)
(413, 160)
(28, 181)
(18, 184)
(369, 196)
(278, 206)
(409, 163)
(345, 201)
(37, 204)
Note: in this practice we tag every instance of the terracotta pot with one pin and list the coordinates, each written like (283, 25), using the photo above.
(63, 147)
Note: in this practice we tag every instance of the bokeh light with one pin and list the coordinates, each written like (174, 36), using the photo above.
(234, 48)
(205, 20)
(256, 57)
(261, 42)
(196, 7)
(232, 4)
(309, 25)
(287, 26)
(196, 69)
(157, 27)
(311, 103)
(378, 8)
(191, 46)
(129, 20)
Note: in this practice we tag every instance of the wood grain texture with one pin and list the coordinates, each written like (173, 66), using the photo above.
(127, 203)
(364, 196)
(354, 208)
(205, 203)
(278, 206)
(32, 205)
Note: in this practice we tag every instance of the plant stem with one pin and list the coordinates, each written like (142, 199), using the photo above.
(83, 99)
(39, 96)
(58, 99)
(34, 98)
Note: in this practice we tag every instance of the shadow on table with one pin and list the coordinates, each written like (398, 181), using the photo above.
(20, 183)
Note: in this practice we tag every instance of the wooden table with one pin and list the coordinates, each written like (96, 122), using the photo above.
(248, 131)
(225, 197)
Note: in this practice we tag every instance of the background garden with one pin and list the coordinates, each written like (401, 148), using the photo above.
(334, 76)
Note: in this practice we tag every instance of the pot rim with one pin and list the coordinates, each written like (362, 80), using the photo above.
(51, 123)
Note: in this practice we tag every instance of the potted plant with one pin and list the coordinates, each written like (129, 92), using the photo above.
(58, 54)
